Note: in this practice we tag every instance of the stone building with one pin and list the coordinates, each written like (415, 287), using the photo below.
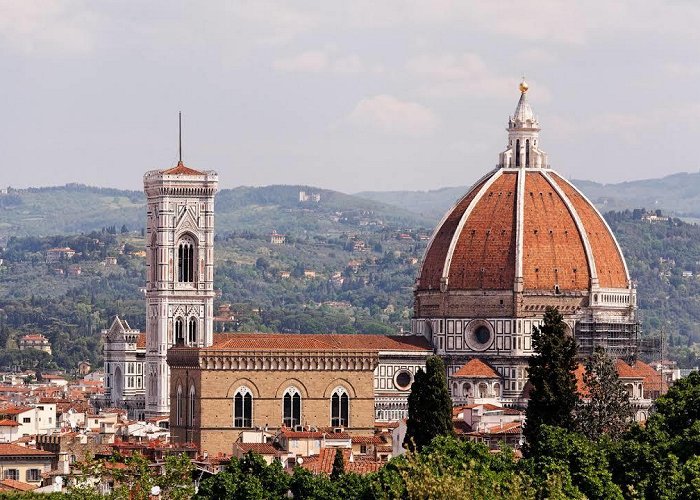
(34, 341)
(521, 239)
(298, 381)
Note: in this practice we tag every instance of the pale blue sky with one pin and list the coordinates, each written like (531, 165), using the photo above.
(359, 95)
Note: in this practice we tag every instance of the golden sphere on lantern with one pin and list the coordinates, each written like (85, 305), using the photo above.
(524, 86)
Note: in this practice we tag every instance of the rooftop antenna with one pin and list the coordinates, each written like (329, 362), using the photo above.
(179, 130)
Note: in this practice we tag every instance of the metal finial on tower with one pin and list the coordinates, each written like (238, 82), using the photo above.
(179, 130)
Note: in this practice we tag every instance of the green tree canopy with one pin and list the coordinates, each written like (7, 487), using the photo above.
(429, 406)
(553, 398)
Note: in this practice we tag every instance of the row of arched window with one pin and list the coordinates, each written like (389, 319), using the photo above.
(291, 408)
(186, 259)
(243, 408)
(191, 331)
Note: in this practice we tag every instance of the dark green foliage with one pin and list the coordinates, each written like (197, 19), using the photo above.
(338, 465)
(607, 408)
(249, 477)
(556, 449)
(429, 406)
(553, 398)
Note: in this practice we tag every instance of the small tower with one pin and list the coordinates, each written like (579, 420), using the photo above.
(523, 135)
(179, 271)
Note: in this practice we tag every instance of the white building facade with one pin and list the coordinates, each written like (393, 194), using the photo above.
(180, 271)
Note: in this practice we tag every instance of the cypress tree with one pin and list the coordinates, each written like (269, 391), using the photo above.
(429, 406)
(607, 409)
(553, 398)
(338, 465)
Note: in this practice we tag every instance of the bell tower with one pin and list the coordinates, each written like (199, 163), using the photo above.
(179, 271)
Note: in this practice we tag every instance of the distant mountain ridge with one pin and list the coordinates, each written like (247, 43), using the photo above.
(676, 194)
(76, 208)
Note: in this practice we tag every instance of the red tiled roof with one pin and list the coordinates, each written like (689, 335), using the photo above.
(475, 368)
(34, 336)
(321, 342)
(141, 341)
(367, 440)
(259, 448)
(181, 169)
(508, 428)
(11, 450)
(8, 423)
(323, 462)
(11, 484)
(15, 410)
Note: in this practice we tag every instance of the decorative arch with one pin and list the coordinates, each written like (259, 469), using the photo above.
(191, 406)
(291, 382)
(339, 382)
(340, 407)
(192, 330)
(178, 405)
(291, 407)
(179, 330)
(231, 391)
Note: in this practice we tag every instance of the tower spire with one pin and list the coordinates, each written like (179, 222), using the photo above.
(523, 135)
(179, 131)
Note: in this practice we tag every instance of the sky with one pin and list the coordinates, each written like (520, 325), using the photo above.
(346, 95)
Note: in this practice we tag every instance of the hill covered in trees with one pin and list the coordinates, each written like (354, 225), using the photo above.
(677, 194)
(76, 208)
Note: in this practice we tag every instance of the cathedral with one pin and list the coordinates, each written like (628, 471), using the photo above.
(521, 239)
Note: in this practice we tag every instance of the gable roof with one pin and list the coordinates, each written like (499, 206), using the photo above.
(11, 484)
(475, 368)
(14, 450)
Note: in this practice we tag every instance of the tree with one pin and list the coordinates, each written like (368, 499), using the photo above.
(553, 398)
(429, 406)
(338, 465)
(607, 409)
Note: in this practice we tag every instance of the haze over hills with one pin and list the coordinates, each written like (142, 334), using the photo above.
(677, 194)
(76, 208)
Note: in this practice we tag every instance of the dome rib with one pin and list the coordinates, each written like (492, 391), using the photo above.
(463, 220)
(610, 263)
(593, 273)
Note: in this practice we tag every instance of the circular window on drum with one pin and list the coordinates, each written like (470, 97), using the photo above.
(479, 336)
(403, 380)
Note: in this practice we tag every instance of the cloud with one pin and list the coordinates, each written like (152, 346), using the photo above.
(450, 75)
(35, 27)
(324, 61)
(387, 114)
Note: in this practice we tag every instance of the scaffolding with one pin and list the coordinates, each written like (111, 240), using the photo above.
(619, 339)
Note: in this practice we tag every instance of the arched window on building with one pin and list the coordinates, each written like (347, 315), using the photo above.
(154, 258)
(179, 331)
(185, 260)
(192, 331)
(340, 408)
(243, 408)
(291, 403)
(190, 413)
(497, 390)
(178, 405)
(483, 390)
(517, 152)
(527, 152)
(466, 390)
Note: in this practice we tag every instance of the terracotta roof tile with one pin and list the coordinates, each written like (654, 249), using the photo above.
(15, 410)
(323, 462)
(320, 342)
(11, 484)
(10, 450)
(475, 368)
(181, 169)
(259, 448)
(8, 423)
(141, 341)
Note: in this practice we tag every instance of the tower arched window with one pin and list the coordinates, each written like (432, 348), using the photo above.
(291, 403)
(191, 406)
(179, 331)
(243, 408)
(340, 408)
(185, 260)
(517, 152)
(527, 153)
(178, 405)
(192, 331)
(154, 258)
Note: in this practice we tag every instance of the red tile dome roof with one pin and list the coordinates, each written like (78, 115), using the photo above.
(524, 225)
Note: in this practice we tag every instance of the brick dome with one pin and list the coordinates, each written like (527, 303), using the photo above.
(566, 244)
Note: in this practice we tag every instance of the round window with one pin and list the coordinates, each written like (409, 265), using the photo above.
(482, 334)
(478, 336)
(403, 380)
